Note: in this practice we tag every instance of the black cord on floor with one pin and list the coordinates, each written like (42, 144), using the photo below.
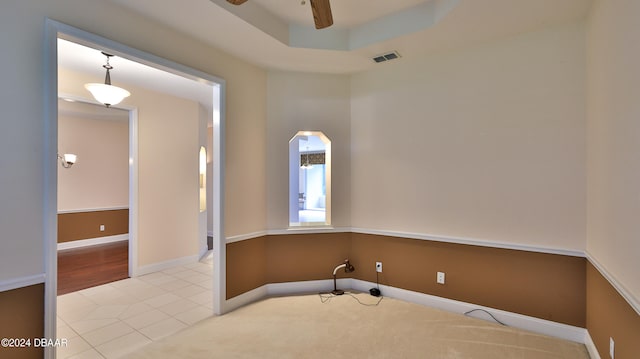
(366, 305)
(327, 296)
(491, 315)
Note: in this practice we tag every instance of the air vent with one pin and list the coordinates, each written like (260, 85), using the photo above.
(387, 57)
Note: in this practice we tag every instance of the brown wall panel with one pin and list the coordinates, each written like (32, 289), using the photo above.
(84, 225)
(541, 285)
(246, 266)
(300, 257)
(21, 316)
(546, 286)
(609, 315)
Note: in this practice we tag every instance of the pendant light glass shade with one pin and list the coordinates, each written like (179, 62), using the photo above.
(107, 94)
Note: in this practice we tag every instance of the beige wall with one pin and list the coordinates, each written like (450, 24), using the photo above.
(486, 143)
(22, 98)
(168, 150)
(313, 102)
(100, 178)
(614, 140)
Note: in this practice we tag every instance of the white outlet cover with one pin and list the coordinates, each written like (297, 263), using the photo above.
(440, 278)
(379, 267)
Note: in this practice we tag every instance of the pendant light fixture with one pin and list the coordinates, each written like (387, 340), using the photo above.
(106, 93)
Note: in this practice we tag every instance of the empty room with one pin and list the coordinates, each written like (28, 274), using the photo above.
(390, 179)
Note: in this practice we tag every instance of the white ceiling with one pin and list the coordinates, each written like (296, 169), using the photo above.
(272, 33)
(279, 34)
(125, 72)
(346, 13)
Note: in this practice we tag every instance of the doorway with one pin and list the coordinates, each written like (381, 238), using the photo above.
(93, 194)
(55, 30)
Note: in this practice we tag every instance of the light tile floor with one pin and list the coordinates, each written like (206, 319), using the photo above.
(114, 319)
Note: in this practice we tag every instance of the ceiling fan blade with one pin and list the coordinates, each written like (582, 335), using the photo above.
(321, 13)
(237, 2)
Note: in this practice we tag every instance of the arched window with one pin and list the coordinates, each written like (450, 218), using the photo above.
(309, 179)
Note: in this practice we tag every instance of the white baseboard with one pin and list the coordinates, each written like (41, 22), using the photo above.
(520, 321)
(306, 287)
(203, 252)
(15, 283)
(281, 289)
(155, 267)
(92, 241)
(243, 299)
(591, 347)
(558, 330)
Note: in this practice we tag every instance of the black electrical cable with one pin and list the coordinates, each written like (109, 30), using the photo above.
(327, 296)
(366, 305)
(482, 310)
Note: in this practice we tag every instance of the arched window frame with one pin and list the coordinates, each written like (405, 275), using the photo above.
(295, 175)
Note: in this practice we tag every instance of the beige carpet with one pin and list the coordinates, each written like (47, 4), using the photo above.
(305, 327)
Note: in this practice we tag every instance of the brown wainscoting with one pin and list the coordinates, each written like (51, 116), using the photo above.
(609, 315)
(541, 285)
(21, 316)
(84, 225)
(246, 266)
(546, 286)
(300, 257)
(284, 258)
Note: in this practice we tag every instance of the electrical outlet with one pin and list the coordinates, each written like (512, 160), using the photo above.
(611, 348)
(102, 228)
(379, 267)
(440, 278)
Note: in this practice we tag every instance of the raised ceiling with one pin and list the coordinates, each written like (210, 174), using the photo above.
(346, 13)
(278, 34)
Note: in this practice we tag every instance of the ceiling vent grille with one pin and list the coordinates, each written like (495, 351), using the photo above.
(386, 57)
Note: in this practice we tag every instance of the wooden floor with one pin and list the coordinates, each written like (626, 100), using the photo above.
(87, 267)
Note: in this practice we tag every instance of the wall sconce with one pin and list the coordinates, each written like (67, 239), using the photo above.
(348, 268)
(67, 160)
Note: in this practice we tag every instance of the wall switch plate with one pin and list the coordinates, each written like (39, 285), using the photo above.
(379, 267)
(440, 278)
(611, 347)
(102, 228)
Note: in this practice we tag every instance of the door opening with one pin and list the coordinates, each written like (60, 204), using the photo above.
(56, 30)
